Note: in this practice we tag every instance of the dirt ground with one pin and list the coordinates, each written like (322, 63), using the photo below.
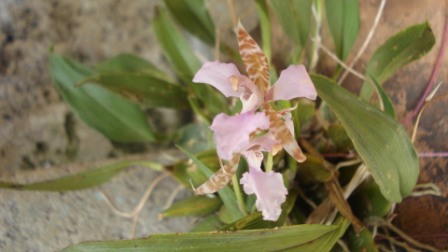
(37, 129)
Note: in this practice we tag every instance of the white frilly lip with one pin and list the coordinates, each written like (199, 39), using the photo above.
(269, 189)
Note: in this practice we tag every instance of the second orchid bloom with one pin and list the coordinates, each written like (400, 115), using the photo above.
(258, 127)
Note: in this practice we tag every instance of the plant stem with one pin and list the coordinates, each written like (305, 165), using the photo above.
(265, 26)
(269, 162)
(239, 195)
(433, 76)
(366, 41)
(317, 13)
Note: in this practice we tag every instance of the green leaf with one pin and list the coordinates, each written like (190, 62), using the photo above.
(327, 241)
(398, 51)
(128, 63)
(343, 21)
(255, 219)
(194, 17)
(386, 103)
(186, 172)
(185, 62)
(380, 140)
(193, 206)
(285, 238)
(195, 138)
(294, 17)
(210, 223)
(265, 26)
(83, 180)
(304, 113)
(144, 88)
(226, 194)
(313, 170)
(118, 119)
(362, 242)
(175, 46)
(336, 132)
(369, 201)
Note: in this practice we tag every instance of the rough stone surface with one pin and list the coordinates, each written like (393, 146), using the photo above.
(44, 221)
(40, 138)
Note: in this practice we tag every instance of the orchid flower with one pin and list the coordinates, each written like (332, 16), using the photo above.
(245, 134)
(294, 82)
(250, 132)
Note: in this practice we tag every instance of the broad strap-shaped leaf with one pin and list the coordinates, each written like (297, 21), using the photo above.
(220, 178)
(327, 241)
(290, 238)
(294, 17)
(194, 138)
(193, 206)
(343, 21)
(208, 224)
(256, 63)
(83, 180)
(380, 140)
(370, 201)
(129, 63)
(399, 50)
(194, 17)
(386, 103)
(255, 219)
(282, 134)
(115, 117)
(184, 61)
(143, 88)
(175, 46)
(187, 173)
(265, 28)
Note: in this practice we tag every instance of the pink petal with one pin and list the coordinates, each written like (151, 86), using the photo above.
(250, 95)
(257, 66)
(218, 74)
(266, 143)
(231, 133)
(289, 123)
(269, 189)
(254, 158)
(294, 82)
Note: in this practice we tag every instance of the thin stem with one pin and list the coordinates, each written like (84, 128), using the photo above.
(231, 6)
(343, 246)
(417, 122)
(340, 62)
(269, 162)
(398, 243)
(197, 110)
(239, 195)
(317, 40)
(217, 44)
(148, 192)
(366, 41)
(380, 222)
(172, 196)
(263, 14)
(346, 163)
(114, 207)
(432, 154)
(426, 189)
(134, 214)
(434, 72)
